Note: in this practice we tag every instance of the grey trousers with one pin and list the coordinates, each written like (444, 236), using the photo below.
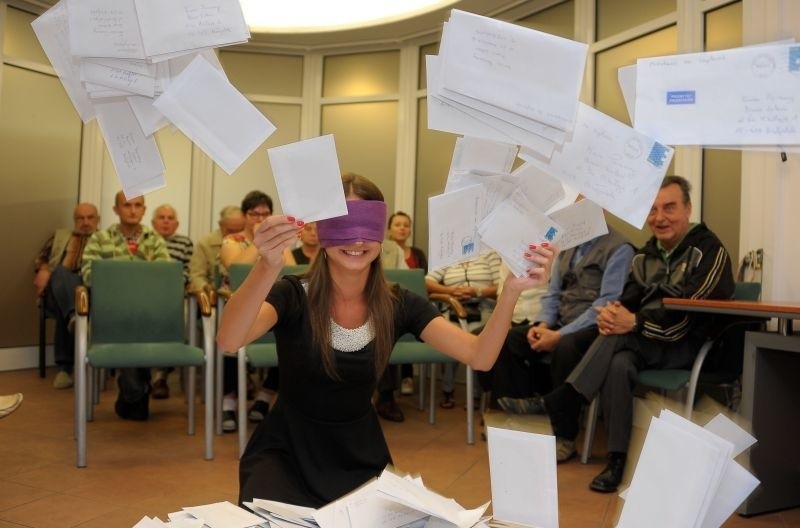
(610, 368)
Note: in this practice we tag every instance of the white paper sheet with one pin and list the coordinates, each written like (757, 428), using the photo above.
(212, 113)
(308, 179)
(736, 485)
(530, 73)
(626, 76)
(52, 30)
(522, 468)
(453, 226)
(150, 119)
(725, 459)
(724, 427)
(449, 116)
(136, 158)
(679, 100)
(119, 77)
(224, 515)
(674, 473)
(178, 25)
(612, 164)
(99, 28)
(541, 189)
(478, 154)
(406, 491)
(148, 522)
(580, 222)
(530, 226)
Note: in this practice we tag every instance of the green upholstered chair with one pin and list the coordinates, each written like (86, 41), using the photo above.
(409, 350)
(687, 380)
(134, 318)
(261, 353)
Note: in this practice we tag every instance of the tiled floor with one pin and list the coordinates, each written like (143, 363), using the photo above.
(152, 468)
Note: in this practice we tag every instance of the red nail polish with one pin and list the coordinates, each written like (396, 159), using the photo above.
(545, 244)
(290, 218)
(527, 255)
(300, 223)
(532, 247)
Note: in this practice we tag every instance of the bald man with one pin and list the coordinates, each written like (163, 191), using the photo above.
(58, 273)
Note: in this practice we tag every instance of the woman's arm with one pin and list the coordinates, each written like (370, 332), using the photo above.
(481, 351)
(247, 315)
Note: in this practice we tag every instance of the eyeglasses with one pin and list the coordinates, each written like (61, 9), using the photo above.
(258, 214)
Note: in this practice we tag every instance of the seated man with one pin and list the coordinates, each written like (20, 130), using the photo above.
(681, 260)
(583, 278)
(58, 272)
(127, 240)
(203, 266)
(165, 223)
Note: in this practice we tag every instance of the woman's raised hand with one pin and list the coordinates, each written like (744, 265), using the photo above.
(275, 234)
(541, 257)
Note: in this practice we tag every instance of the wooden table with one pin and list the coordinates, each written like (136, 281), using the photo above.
(770, 399)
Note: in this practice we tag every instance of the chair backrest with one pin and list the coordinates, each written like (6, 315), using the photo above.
(136, 301)
(237, 273)
(410, 279)
(747, 291)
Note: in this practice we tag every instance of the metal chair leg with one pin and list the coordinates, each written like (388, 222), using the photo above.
(591, 423)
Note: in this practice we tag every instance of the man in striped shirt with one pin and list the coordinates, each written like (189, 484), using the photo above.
(127, 240)
(165, 223)
(58, 272)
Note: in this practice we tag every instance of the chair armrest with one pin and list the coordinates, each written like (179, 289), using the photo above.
(211, 293)
(225, 293)
(81, 300)
(454, 303)
(203, 303)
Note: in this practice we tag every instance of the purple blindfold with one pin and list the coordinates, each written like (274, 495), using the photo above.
(365, 220)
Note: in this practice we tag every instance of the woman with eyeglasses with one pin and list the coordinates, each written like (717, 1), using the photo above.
(334, 329)
(238, 248)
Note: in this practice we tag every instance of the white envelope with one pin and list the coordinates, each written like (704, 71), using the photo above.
(136, 157)
(580, 222)
(52, 30)
(179, 25)
(612, 164)
(524, 71)
(522, 468)
(453, 226)
(514, 225)
(99, 28)
(308, 179)
(214, 115)
(679, 99)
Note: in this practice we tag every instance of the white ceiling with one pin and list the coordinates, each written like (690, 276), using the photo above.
(422, 28)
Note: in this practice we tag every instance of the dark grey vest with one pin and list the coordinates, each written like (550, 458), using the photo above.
(580, 286)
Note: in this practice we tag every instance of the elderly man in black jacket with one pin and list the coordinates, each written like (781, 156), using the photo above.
(681, 259)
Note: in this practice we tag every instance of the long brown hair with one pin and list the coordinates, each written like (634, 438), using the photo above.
(378, 295)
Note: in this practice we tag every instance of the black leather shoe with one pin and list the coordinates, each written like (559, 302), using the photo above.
(610, 478)
(389, 410)
(534, 405)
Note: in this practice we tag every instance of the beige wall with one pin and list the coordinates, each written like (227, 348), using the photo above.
(40, 139)
(362, 96)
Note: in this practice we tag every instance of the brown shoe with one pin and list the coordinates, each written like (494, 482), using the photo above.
(160, 389)
(389, 410)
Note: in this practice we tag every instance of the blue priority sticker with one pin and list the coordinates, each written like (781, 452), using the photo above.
(681, 97)
(794, 59)
(658, 154)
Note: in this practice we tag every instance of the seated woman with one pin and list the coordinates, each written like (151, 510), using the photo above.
(238, 248)
(323, 438)
(474, 283)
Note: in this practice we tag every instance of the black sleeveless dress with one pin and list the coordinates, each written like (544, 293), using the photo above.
(322, 439)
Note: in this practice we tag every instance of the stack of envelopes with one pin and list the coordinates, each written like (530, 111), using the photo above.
(138, 65)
